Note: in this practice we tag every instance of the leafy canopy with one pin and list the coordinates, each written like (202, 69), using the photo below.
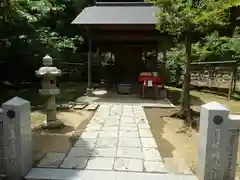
(214, 47)
(176, 17)
(44, 26)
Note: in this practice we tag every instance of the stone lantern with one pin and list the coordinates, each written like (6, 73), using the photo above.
(48, 73)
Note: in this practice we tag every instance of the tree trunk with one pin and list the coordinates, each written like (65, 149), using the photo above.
(185, 99)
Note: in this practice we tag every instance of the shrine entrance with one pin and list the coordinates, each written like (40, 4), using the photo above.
(127, 64)
(131, 39)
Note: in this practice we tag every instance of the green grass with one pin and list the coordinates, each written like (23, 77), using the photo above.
(236, 96)
(201, 97)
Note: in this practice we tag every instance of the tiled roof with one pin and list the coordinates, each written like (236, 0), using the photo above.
(117, 13)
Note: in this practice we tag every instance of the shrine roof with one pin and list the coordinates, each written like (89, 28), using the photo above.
(117, 14)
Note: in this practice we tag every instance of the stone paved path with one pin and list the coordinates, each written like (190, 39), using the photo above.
(117, 139)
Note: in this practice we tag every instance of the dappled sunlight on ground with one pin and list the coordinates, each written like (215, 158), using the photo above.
(100, 92)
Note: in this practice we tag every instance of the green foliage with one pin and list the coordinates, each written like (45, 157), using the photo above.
(178, 17)
(214, 47)
(175, 63)
(60, 43)
(188, 18)
(32, 28)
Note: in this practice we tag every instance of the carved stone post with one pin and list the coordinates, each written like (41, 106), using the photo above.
(218, 143)
(17, 138)
(212, 141)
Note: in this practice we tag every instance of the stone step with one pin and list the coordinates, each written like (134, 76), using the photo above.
(79, 106)
(92, 107)
(71, 174)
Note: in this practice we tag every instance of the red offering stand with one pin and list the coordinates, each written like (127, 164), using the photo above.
(155, 83)
(154, 79)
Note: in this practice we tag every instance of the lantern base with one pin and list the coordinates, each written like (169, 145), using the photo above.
(89, 92)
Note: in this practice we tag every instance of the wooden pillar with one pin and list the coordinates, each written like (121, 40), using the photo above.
(235, 79)
(164, 72)
(230, 88)
(156, 55)
(98, 55)
(89, 61)
(210, 77)
(100, 72)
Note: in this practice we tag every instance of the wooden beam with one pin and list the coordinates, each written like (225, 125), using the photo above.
(125, 38)
(213, 62)
(125, 35)
(230, 90)
(128, 27)
(89, 61)
(126, 43)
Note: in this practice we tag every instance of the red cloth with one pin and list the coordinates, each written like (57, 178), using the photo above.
(155, 86)
(155, 79)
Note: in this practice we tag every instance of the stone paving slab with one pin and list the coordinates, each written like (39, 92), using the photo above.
(51, 160)
(123, 127)
(149, 143)
(153, 166)
(73, 174)
(145, 133)
(105, 152)
(90, 134)
(73, 162)
(128, 133)
(108, 134)
(80, 152)
(127, 152)
(100, 163)
(151, 154)
(79, 106)
(125, 164)
(92, 107)
(87, 142)
(110, 128)
(129, 142)
(107, 142)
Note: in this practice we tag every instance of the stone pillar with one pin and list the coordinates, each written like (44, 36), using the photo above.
(51, 109)
(218, 143)
(17, 138)
(212, 141)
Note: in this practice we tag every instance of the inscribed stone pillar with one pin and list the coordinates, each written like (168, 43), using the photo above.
(212, 141)
(18, 138)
